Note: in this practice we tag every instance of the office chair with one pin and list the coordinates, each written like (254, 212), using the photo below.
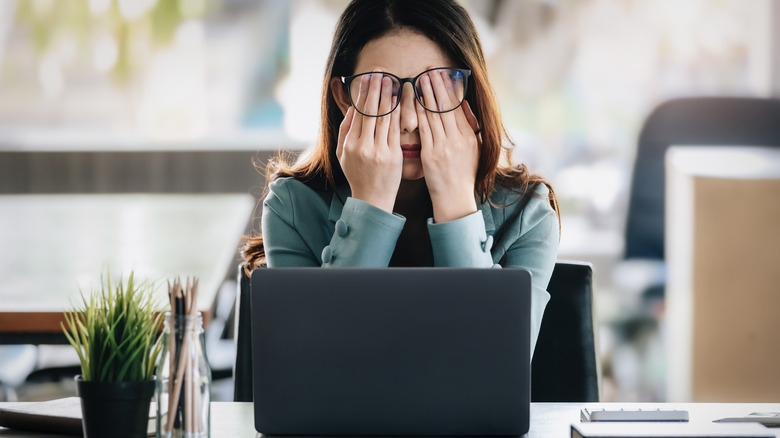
(564, 366)
(16, 363)
(242, 370)
(711, 121)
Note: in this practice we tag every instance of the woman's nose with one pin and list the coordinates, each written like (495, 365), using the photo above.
(407, 108)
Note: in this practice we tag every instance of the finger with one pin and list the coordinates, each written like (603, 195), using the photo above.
(471, 119)
(423, 127)
(455, 96)
(434, 119)
(386, 103)
(466, 126)
(444, 100)
(357, 124)
(455, 87)
(344, 129)
(394, 134)
(473, 123)
(469, 124)
(372, 104)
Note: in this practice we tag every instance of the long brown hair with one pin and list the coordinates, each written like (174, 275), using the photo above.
(447, 24)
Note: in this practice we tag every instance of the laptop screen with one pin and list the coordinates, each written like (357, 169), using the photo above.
(402, 351)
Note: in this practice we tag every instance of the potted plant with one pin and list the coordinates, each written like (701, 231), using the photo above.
(115, 333)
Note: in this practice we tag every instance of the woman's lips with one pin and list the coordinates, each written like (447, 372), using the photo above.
(411, 150)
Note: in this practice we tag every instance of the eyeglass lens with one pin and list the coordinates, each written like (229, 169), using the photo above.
(443, 91)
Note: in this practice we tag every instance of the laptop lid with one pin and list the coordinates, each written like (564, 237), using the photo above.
(401, 351)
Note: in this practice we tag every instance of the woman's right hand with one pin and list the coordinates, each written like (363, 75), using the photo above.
(369, 148)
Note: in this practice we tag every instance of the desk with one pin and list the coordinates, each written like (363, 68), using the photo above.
(53, 245)
(548, 420)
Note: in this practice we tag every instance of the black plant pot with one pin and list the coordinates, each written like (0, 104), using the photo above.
(115, 409)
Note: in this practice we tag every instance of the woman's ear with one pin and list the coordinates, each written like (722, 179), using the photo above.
(341, 98)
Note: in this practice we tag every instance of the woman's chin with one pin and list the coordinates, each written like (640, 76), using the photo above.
(412, 170)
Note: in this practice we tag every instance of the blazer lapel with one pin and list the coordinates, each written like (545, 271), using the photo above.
(487, 215)
(340, 195)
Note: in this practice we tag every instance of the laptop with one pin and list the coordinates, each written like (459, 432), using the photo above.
(392, 352)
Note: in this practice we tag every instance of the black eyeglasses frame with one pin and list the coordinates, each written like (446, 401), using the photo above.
(347, 82)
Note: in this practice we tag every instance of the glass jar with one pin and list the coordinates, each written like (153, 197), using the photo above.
(183, 380)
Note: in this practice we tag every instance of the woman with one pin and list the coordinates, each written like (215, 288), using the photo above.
(407, 170)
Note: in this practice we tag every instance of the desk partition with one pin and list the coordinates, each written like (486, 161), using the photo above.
(723, 258)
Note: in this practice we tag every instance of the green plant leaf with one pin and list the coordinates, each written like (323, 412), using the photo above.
(114, 330)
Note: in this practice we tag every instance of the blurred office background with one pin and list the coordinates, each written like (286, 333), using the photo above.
(181, 95)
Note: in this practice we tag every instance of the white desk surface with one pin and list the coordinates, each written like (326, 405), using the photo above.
(54, 245)
(548, 420)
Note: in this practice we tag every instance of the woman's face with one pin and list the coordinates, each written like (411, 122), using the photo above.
(405, 54)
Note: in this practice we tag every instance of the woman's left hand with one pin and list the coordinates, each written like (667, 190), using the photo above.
(449, 153)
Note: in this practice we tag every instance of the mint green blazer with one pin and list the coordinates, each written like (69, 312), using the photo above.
(307, 227)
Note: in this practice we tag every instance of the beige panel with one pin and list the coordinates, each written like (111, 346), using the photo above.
(736, 290)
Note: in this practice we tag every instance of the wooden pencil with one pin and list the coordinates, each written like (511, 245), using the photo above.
(184, 397)
(179, 373)
(171, 347)
(188, 393)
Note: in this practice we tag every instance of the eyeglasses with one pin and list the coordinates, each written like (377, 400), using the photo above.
(451, 83)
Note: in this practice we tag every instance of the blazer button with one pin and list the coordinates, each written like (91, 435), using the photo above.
(327, 254)
(487, 244)
(342, 229)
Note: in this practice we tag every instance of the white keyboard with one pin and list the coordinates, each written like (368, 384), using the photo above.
(633, 415)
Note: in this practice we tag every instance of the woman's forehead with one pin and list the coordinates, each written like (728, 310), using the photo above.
(403, 53)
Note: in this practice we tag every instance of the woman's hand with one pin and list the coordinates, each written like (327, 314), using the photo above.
(369, 148)
(450, 150)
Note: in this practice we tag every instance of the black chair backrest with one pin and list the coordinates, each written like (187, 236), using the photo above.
(242, 371)
(564, 367)
(711, 121)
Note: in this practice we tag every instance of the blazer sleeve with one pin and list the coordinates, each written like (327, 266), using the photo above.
(365, 236)
(461, 243)
(534, 236)
(293, 229)
(536, 249)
